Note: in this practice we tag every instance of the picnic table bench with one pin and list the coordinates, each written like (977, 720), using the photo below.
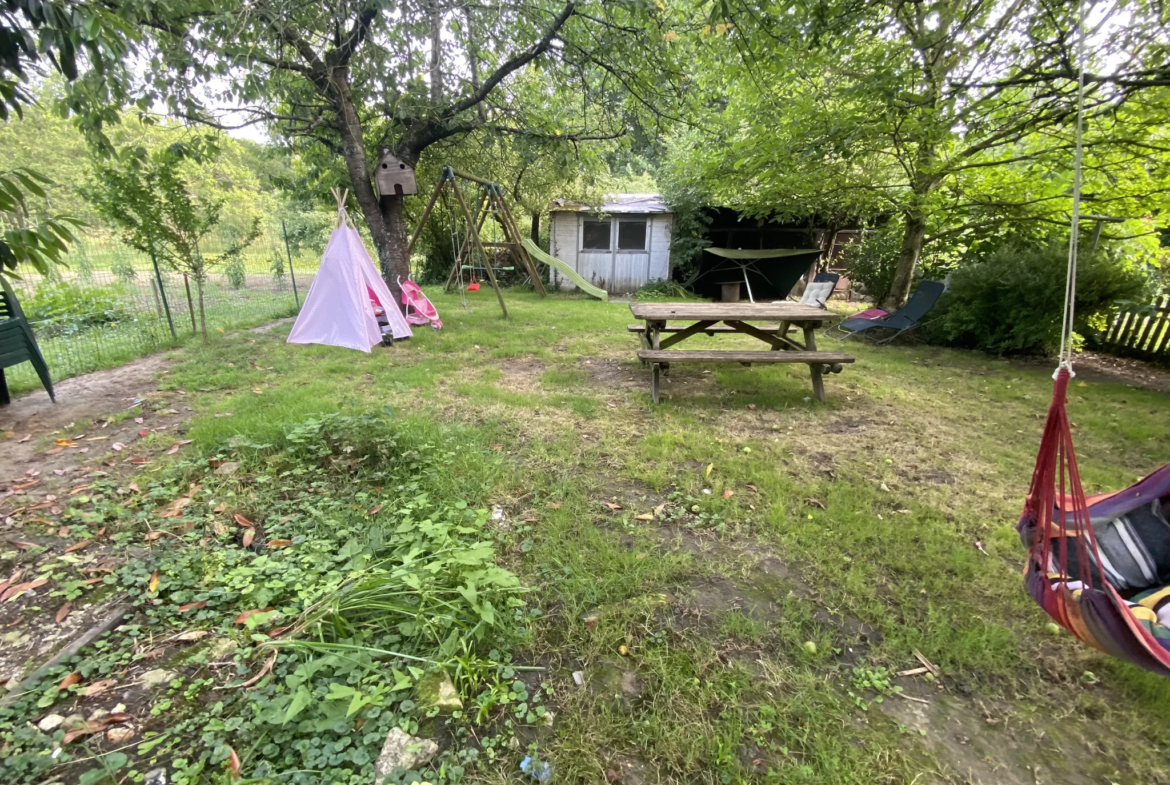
(722, 318)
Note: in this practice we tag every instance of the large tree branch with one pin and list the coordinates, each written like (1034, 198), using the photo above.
(343, 52)
(512, 64)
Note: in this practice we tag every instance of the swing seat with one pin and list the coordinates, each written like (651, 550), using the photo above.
(473, 287)
(1100, 566)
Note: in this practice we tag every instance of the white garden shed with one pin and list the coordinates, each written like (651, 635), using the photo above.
(620, 246)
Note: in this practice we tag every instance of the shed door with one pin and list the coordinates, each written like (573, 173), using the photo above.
(631, 253)
(595, 260)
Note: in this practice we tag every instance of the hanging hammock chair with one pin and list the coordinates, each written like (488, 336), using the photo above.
(1100, 565)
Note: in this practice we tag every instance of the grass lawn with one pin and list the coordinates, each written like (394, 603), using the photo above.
(734, 576)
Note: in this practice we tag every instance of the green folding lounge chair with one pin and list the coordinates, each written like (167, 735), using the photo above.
(17, 343)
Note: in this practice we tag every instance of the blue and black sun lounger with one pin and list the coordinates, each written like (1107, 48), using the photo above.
(909, 317)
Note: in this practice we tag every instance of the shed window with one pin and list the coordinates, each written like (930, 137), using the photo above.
(595, 235)
(631, 235)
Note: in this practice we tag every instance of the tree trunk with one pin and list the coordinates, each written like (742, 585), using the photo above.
(536, 229)
(436, 60)
(394, 218)
(912, 240)
(202, 312)
(190, 303)
(473, 62)
(390, 244)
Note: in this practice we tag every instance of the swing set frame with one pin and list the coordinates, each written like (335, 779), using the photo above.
(489, 202)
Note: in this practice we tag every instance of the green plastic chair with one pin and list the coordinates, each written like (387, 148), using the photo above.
(17, 343)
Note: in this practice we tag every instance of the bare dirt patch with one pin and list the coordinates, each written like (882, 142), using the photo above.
(985, 743)
(79, 399)
(521, 375)
(1091, 366)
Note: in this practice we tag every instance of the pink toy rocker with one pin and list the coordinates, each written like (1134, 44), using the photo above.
(419, 310)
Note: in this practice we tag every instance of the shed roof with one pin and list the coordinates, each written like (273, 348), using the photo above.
(615, 203)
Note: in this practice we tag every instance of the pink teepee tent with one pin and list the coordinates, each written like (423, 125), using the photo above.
(339, 309)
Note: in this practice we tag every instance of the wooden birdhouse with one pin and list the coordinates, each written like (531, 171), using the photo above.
(394, 177)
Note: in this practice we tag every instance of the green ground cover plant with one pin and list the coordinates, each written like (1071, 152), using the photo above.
(719, 589)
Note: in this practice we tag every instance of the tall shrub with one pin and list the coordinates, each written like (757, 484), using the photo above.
(1012, 300)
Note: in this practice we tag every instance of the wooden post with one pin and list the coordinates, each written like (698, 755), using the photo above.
(810, 344)
(525, 259)
(425, 216)
(463, 249)
(478, 244)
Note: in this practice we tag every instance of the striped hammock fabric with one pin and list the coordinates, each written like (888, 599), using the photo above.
(1090, 551)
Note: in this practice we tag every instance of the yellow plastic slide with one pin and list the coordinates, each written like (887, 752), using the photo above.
(565, 270)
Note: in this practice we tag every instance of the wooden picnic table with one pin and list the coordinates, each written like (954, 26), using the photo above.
(773, 323)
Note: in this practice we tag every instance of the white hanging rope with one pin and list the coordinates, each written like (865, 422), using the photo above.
(1070, 286)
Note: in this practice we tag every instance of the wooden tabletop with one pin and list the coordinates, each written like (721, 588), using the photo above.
(745, 312)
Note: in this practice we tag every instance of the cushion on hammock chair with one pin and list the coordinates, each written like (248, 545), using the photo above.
(1134, 548)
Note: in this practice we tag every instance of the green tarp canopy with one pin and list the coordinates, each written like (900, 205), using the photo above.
(770, 273)
(760, 253)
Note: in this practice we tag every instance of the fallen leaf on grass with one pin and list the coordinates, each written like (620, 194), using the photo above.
(192, 606)
(54, 451)
(710, 468)
(243, 617)
(63, 611)
(612, 506)
(815, 503)
(25, 545)
(95, 726)
(79, 489)
(11, 579)
(69, 680)
(751, 487)
(553, 505)
(646, 516)
(377, 508)
(79, 545)
(64, 442)
(263, 672)
(249, 536)
(98, 687)
(233, 764)
(727, 494)
(97, 438)
(240, 519)
(497, 447)
(175, 447)
(659, 509)
(192, 635)
(144, 433)
(138, 461)
(117, 447)
(279, 543)
(152, 536)
(21, 588)
(25, 439)
(175, 507)
(153, 585)
(138, 420)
